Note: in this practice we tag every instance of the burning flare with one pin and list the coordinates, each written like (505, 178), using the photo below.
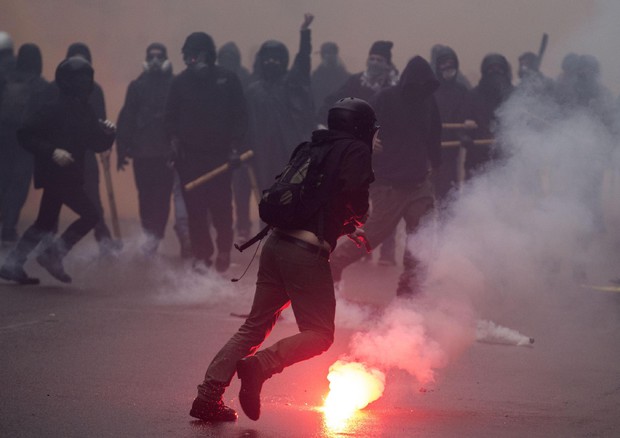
(352, 387)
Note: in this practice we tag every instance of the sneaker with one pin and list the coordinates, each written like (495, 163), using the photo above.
(252, 378)
(17, 274)
(52, 262)
(222, 262)
(212, 411)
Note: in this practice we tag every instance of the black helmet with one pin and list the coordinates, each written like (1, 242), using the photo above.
(74, 77)
(354, 116)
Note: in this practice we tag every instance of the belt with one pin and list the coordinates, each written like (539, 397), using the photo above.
(315, 249)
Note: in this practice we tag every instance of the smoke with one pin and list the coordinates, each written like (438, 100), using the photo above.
(526, 232)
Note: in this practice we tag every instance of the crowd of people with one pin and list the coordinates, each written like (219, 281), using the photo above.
(436, 131)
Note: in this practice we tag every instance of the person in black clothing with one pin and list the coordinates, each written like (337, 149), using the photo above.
(141, 136)
(206, 119)
(107, 245)
(58, 136)
(22, 95)
(494, 88)
(294, 270)
(532, 81)
(409, 148)
(453, 101)
(229, 57)
(280, 106)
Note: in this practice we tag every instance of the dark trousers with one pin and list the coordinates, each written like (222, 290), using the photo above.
(154, 180)
(287, 275)
(52, 200)
(206, 204)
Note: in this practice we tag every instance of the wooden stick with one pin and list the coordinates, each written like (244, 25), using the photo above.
(215, 172)
(457, 143)
(458, 126)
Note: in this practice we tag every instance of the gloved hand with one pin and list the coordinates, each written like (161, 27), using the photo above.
(62, 157)
(121, 162)
(359, 237)
(107, 126)
(234, 160)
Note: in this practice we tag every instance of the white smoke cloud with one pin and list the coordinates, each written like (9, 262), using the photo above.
(524, 233)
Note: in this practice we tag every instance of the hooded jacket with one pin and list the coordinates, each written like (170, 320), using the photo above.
(410, 127)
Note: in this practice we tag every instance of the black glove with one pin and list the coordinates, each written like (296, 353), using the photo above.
(234, 160)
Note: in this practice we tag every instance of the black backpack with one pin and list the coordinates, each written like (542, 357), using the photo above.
(301, 190)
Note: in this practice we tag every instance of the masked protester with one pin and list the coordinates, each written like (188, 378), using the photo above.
(409, 147)
(58, 136)
(142, 137)
(380, 73)
(22, 95)
(531, 80)
(206, 119)
(280, 107)
(453, 101)
(438, 49)
(494, 88)
(294, 270)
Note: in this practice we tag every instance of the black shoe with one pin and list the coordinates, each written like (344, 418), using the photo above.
(18, 275)
(222, 262)
(212, 411)
(252, 378)
(52, 262)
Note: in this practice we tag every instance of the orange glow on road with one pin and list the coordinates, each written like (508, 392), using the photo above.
(352, 386)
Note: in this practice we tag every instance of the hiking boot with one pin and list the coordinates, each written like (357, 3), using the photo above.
(252, 378)
(222, 262)
(52, 262)
(17, 274)
(212, 411)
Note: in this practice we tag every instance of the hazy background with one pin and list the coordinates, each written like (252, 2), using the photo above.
(118, 32)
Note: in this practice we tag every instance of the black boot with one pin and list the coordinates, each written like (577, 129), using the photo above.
(252, 379)
(51, 260)
(214, 411)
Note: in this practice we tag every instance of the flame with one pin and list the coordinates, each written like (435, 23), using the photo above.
(352, 386)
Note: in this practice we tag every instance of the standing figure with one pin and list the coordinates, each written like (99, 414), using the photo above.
(409, 148)
(22, 94)
(142, 137)
(329, 75)
(58, 136)
(294, 270)
(206, 120)
(280, 107)
(494, 88)
(453, 101)
(229, 57)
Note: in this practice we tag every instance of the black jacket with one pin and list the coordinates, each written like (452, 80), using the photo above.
(141, 131)
(349, 161)
(410, 127)
(68, 124)
(206, 112)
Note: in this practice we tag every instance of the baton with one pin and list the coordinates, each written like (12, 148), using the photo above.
(215, 172)
(456, 143)
(458, 126)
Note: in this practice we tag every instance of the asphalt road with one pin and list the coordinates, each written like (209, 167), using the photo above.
(119, 353)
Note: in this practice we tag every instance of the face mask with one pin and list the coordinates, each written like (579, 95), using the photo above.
(271, 70)
(448, 74)
(375, 69)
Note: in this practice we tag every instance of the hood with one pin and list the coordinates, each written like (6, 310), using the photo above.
(229, 56)
(276, 50)
(441, 54)
(79, 49)
(29, 60)
(496, 59)
(418, 81)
